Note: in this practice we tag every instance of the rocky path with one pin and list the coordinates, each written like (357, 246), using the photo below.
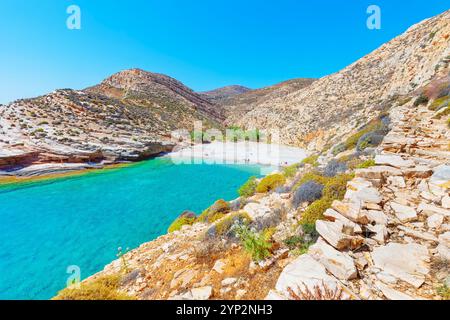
(390, 236)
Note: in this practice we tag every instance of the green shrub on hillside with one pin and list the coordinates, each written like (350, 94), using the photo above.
(291, 170)
(439, 103)
(102, 288)
(312, 160)
(335, 189)
(258, 245)
(422, 99)
(187, 218)
(224, 226)
(366, 164)
(270, 183)
(248, 189)
(216, 212)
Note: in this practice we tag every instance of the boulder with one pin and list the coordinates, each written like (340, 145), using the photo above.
(441, 175)
(421, 172)
(337, 263)
(332, 233)
(393, 161)
(351, 210)
(429, 210)
(333, 215)
(203, 293)
(418, 235)
(377, 217)
(304, 271)
(378, 172)
(392, 294)
(446, 202)
(435, 221)
(408, 262)
(404, 213)
(366, 194)
(263, 216)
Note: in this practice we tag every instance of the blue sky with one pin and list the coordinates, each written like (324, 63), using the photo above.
(203, 43)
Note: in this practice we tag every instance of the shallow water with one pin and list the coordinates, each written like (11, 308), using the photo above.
(47, 226)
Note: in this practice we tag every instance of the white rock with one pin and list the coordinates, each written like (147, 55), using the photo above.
(351, 210)
(446, 202)
(337, 263)
(397, 181)
(370, 195)
(218, 266)
(429, 209)
(408, 262)
(332, 233)
(377, 172)
(404, 213)
(274, 296)
(435, 221)
(333, 215)
(203, 293)
(392, 294)
(304, 271)
(228, 281)
(441, 175)
(443, 251)
(445, 239)
(377, 217)
(393, 161)
(381, 233)
(417, 234)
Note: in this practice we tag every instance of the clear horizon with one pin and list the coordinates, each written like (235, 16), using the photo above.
(204, 45)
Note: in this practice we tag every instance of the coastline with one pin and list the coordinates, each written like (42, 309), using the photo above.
(229, 153)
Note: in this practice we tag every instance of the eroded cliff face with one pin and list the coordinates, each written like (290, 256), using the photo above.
(336, 105)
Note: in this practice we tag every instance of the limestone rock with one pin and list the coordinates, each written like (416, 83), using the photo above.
(304, 271)
(392, 294)
(203, 293)
(393, 161)
(404, 213)
(333, 215)
(435, 221)
(337, 263)
(351, 210)
(429, 209)
(332, 233)
(407, 262)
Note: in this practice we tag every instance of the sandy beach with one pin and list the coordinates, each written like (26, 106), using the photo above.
(240, 153)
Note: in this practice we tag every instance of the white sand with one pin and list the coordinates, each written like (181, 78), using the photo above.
(239, 153)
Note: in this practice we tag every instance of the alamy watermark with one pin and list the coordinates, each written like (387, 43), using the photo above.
(73, 21)
(374, 20)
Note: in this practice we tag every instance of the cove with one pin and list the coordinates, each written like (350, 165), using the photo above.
(47, 226)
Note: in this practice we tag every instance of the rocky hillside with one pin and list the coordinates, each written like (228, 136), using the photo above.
(219, 95)
(235, 106)
(129, 116)
(335, 106)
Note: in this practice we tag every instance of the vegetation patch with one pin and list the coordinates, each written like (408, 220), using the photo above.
(248, 189)
(312, 160)
(271, 183)
(186, 218)
(366, 164)
(257, 244)
(102, 288)
(224, 227)
(439, 103)
(291, 170)
(307, 192)
(216, 212)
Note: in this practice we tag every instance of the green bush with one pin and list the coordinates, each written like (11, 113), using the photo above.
(102, 288)
(311, 176)
(187, 218)
(315, 211)
(444, 292)
(312, 160)
(270, 183)
(248, 189)
(366, 164)
(223, 226)
(336, 187)
(290, 171)
(216, 212)
(422, 99)
(439, 103)
(256, 244)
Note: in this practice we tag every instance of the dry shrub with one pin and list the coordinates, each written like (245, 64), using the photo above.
(319, 292)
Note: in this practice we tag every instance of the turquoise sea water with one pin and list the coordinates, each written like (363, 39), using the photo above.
(47, 226)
